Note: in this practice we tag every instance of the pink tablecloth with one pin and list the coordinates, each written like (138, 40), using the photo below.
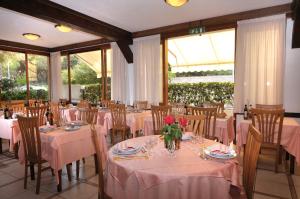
(60, 147)
(134, 120)
(224, 129)
(290, 137)
(184, 176)
(9, 129)
(69, 114)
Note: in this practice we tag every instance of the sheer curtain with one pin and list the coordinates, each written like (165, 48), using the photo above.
(260, 58)
(56, 80)
(119, 74)
(147, 69)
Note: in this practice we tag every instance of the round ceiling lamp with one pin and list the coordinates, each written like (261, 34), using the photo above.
(176, 3)
(63, 28)
(31, 36)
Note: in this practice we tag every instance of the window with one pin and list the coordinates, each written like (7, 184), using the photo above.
(13, 76)
(64, 77)
(108, 72)
(86, 76)
(38, 68)
(201, 68)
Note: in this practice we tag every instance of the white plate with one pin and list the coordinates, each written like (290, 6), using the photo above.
(186, 137)
(215, 153)
(72, 128)
(118, 150)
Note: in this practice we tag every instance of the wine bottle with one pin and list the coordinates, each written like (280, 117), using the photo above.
(245, 112)
(6, 113)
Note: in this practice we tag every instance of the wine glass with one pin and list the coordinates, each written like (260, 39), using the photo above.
(171, 148)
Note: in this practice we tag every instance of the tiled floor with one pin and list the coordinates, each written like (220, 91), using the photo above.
(268, 184)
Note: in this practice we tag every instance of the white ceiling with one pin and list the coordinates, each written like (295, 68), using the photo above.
(13, 25)
(137, 15)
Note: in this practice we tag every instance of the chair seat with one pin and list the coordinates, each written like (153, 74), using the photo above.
(268, 146)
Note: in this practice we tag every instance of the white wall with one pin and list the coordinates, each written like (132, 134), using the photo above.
(292, 74)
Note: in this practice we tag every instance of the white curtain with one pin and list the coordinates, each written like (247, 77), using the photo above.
(260, 58)
(147, 69)
(56, 80)
(119, 74)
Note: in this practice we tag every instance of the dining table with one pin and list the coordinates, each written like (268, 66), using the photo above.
(9, 129)
(60, 147)
(155, 173)
(290, 137)
(224, 128)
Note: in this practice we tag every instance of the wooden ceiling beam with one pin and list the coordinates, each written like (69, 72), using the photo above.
(58, 14)
(20, 47)
(214, 23)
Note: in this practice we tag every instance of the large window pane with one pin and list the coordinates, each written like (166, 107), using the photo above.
(86, 76)
(13, 76)
(201, 68)
(38, 68)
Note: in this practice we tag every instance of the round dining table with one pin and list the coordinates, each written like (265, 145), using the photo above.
(154, 173)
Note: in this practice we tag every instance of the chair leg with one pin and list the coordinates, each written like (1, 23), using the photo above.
(83, 160)
(96, 164)
(280, 156)
(32, 171)
(38, 182)
(52, 172)
(112, 137)
(77, 169)
(25, 177)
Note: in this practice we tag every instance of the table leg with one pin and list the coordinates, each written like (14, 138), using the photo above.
(292, 164)
(69, 171)
(96, 164)
(32, 171)
(16, 150)
(0, 145)
(287, 156)
(59, 181)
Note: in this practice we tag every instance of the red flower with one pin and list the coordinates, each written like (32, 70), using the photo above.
(169, 119)
(183, 122)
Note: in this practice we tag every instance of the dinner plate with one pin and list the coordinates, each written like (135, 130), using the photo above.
(128, 150)
(45, 129)
(72, 128)
(186, 137)
(215, 152)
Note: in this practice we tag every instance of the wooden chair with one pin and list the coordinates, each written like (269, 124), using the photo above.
(63, 102)
(54, 107)
(218, 105)
(37, 112)
(253, 144)
(31, 141)
(118, 116)
(140, 104)
(158, 115)
(34, 103)
(83, 104)
(265, 106)
(269, 122)
(101, 179)
(210, 120)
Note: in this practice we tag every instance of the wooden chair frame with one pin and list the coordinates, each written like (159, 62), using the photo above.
(37, 112)
(158, 115)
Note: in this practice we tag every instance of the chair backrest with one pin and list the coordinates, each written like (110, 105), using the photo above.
(210, 120)
(31, 140)
(266, 106)
(63, 102)
(195, 123)
(178, 108)
(88, 116)
(141, 104)
(218, 105)
(269, 123)
(254, 140)
(95, 138)
(107, 103)
(37, 112)
(118, 116)
(17, 107)
(158, 115)
(34, 103)
(54, 107)
(83, 104)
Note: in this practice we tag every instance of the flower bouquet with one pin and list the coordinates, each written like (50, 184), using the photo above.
(172, 131)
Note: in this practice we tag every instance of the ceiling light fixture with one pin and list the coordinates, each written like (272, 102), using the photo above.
(63, 28)
(176, 3)
(31, 36)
